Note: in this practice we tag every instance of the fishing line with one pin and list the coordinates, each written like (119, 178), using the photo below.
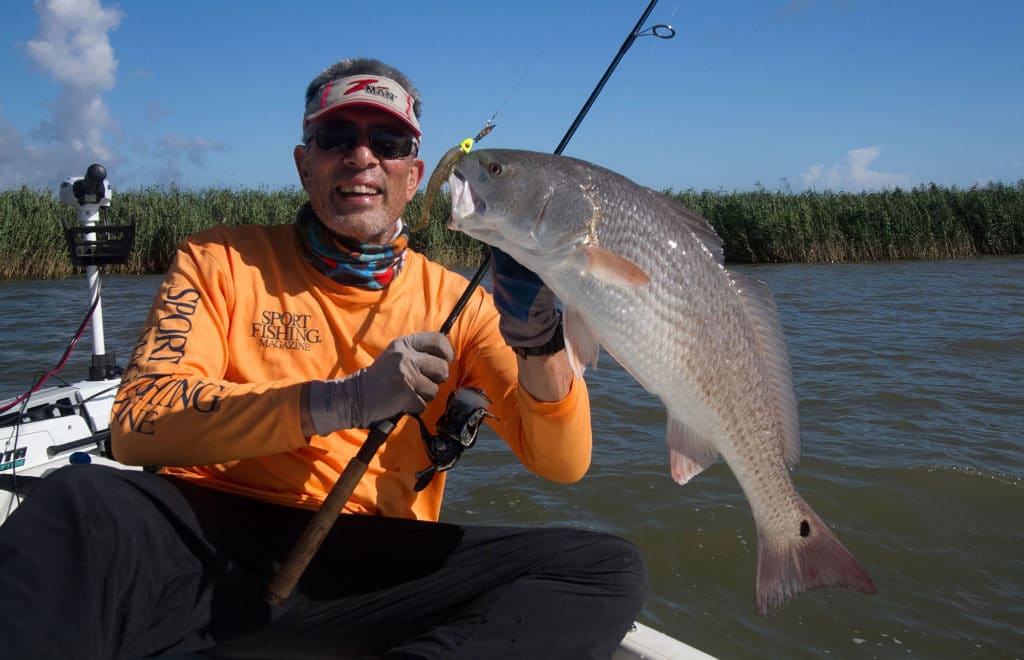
(533, 64)
(439, 176)
(661, 31)
(673, 14)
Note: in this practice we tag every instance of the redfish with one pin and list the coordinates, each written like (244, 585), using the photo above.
(642, 276)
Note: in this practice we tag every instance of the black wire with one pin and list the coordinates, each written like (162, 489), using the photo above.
(64, 358)
(39, 379)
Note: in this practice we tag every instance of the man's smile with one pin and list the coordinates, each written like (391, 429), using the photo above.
(359, 193)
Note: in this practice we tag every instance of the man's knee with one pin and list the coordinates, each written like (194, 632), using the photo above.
(89, 498)
(70, 488)
(627, 570)
(614, 566)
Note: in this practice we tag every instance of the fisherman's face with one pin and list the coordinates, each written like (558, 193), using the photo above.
(356, 193)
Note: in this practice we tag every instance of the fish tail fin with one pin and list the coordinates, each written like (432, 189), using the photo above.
(811, 558)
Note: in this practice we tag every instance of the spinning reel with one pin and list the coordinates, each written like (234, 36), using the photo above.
(456, 432)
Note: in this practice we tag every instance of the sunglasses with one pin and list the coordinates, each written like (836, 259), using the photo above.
(384, 142)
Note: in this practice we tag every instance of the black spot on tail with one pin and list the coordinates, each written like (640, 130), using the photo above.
(805, 528)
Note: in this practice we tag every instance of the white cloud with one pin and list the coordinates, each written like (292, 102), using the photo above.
(71, 46)
(174, 148)
(71, 43)
(854, 174)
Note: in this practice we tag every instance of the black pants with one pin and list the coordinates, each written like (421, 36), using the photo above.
(107, 563)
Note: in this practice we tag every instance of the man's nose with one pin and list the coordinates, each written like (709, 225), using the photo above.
(362, 155)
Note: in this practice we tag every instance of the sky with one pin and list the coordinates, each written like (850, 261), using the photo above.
(785, 95)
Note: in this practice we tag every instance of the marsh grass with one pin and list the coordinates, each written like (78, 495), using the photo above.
(929, 222)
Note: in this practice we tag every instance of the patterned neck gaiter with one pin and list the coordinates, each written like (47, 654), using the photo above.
(348, 263)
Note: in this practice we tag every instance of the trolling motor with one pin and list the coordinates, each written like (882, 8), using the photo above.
(456, 432)
(93, 243)
(44, 429)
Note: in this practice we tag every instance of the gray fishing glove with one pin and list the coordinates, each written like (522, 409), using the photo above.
(529, 321)
(403, 379)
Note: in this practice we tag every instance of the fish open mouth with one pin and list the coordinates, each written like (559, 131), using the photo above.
(464, 204)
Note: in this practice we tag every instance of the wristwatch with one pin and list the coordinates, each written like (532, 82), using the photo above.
(553, 345)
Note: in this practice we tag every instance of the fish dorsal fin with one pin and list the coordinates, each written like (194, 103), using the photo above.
(757, 298)
(688, 452)
(613, 268)
(694, 223)
(580, 344)
(703, 230)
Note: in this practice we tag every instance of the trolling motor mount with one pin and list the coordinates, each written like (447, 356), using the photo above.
(91, 241)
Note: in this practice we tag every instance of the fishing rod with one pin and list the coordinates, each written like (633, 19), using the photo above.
(284, 581)
(660, 31)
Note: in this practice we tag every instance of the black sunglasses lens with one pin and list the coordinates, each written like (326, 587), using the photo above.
(385, 143)
(337, 137)
(390, 145)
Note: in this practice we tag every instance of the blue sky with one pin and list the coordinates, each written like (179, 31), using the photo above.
(838, 94)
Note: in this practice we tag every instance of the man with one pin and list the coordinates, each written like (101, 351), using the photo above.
(266, 355)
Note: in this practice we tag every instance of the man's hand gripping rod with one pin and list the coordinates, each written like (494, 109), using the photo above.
(283, 583)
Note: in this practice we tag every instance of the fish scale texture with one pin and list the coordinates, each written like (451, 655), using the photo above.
(645, 276)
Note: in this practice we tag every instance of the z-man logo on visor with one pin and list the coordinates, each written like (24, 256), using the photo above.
(285, 330)
(360, 85)
(367, 85)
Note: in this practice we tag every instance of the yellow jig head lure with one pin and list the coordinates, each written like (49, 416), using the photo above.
(444, 169)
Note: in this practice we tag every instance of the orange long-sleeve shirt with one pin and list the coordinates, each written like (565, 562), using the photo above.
(242, 321)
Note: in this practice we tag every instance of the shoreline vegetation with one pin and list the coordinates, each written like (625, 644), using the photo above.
(928, 222)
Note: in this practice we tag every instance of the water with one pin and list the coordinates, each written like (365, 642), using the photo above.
(910, 378)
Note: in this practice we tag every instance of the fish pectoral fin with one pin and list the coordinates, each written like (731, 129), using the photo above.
(688, 451)
(580, 344)
(613, 268)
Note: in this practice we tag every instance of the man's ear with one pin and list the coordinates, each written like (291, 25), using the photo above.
(301, 156)
(415, 177)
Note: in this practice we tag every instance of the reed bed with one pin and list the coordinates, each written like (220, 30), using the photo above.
(930, 222)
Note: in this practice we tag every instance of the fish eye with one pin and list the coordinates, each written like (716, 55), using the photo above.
(494, 168)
